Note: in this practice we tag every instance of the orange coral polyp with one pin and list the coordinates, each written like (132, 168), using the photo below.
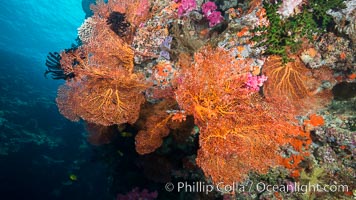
(315, 120)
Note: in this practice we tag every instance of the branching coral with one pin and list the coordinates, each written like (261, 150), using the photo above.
(85, 31)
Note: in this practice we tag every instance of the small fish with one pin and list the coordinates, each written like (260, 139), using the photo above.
(195, 130)
(126, 134)
(73, 177)
(120, 153)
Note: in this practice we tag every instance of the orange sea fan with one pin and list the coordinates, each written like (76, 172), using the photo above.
(111, 103)
(206, 89)
(66, 102)
(108, 50)
(102, 101)
(153, 125)
(150, 139)
(295, 85)
(100, 9)
(138, 11)
(231, 148)
(105, 89)
(239, 131)
(288, 80)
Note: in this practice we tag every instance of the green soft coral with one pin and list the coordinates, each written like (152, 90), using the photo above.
(284, 36)
(320, 7)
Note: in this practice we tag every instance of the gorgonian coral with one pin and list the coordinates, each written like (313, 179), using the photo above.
(105, 89)
(105, 102)
(239, 131)
(299, 86)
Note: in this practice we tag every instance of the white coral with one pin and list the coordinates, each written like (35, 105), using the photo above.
(345, 19)
(85, 31)
(288, 7)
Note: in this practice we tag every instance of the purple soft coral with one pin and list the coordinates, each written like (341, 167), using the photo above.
(164, 54)
(165, 47)
(166, 43)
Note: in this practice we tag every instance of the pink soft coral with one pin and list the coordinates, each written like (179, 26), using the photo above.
(214, 18)
(209, 11)
(186, 6)
(255, 82)
(208, 7)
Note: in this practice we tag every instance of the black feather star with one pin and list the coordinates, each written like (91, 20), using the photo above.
(118, 23)
(54, 67)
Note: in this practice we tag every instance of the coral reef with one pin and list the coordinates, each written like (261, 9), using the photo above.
(336, 52)
(241, 88)
(345, 20)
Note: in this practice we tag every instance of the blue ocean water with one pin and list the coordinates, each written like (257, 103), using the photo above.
(40, 150)
(33, 28)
